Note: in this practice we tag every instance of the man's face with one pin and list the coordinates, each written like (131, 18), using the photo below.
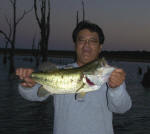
(87, 46)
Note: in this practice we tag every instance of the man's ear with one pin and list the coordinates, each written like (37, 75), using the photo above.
(100, 48)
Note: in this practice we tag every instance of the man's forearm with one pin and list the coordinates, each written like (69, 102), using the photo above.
(119, 100)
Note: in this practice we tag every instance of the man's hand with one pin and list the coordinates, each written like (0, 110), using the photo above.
(24, 74)
(116, 78)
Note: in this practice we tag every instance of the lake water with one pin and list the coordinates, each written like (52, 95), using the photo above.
(19, 116)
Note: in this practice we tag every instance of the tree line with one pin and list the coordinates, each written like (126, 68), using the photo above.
(42, 11)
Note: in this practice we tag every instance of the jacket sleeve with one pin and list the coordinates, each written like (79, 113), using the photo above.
(118, 99)
(31, 93)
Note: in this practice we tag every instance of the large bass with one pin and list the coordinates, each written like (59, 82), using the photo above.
(73, 80)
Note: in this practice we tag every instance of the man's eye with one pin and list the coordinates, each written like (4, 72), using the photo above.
(93, 41)
(81, 40)
(90, 41)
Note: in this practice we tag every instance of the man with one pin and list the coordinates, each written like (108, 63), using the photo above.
(92, 114)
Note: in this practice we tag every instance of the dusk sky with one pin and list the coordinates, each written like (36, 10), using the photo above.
(126, 24)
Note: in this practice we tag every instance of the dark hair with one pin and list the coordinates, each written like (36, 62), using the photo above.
(91, 27)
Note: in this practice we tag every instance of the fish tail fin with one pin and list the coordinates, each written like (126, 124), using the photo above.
(42, 92)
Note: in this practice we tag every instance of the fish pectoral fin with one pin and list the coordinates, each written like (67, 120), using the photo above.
(79, 96)
(42, 92)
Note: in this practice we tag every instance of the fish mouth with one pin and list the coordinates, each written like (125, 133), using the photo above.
(90, 83)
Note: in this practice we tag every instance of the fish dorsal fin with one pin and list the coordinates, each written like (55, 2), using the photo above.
(47, 67)
(90, 68)
(42, 92)
(103, 61)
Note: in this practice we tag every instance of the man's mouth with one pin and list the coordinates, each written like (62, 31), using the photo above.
(86, 53)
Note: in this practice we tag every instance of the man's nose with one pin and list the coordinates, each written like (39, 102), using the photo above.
(86, 42)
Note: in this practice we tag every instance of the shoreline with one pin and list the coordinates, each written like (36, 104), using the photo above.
(129, 56)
